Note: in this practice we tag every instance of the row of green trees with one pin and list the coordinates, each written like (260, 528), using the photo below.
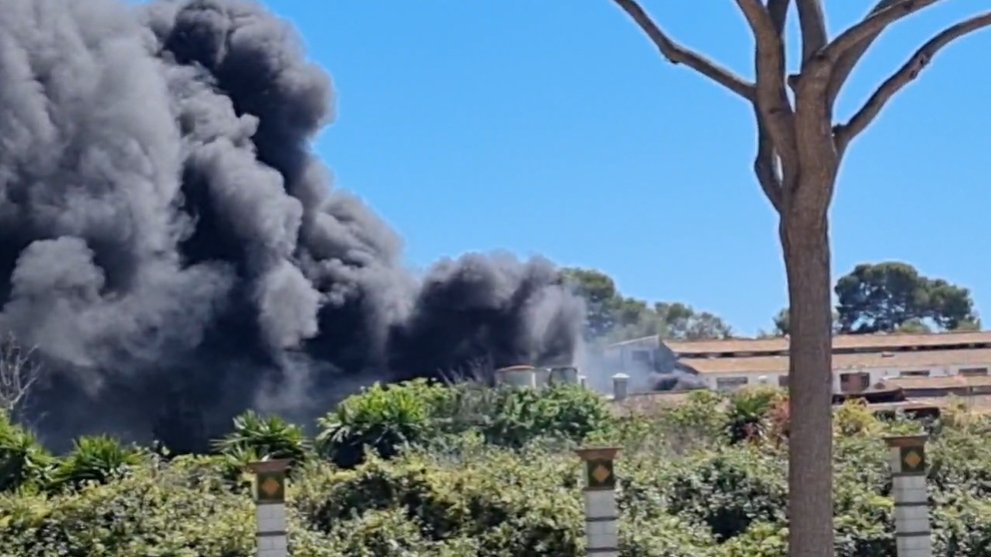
(885, 297)
(422, 469)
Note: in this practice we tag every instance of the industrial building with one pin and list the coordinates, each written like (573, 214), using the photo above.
(924, 365)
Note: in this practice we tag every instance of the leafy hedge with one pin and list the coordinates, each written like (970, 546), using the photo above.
(423, 469)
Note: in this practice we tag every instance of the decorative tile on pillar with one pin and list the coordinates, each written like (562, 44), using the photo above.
(271, 487)
(913, 460)
(600, 474)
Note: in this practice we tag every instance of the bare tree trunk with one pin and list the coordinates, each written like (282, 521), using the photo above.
(799, 149)
(805, 239)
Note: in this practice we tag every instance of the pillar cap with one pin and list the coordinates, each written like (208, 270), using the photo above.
(275, 465)
(620, 375)
(597, 453)
(906, 440)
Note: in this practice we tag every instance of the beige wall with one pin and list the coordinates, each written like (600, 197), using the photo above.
(876, 374)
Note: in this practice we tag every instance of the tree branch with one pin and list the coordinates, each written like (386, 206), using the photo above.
(875, 22)
(847, 61)
(812, 21)
(766, 166)
(905, 75)
(18, 372)
(678, 54)
(778, 9)
(774, 108)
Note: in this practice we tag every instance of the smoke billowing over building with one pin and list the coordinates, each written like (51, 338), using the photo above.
(171, 246)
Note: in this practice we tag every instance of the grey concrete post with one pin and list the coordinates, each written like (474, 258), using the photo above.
(270, 507)
(620, 386)
(601, 513)
(583, 381)
(908, 477)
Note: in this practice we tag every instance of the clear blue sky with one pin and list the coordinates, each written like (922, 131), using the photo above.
(554, 128)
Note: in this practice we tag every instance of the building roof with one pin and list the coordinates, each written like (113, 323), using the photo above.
(950, 382)
(638, 340)
(980, 404)
(904, 361)
(876, 342)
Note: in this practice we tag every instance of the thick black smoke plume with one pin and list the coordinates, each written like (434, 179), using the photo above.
(172, 247)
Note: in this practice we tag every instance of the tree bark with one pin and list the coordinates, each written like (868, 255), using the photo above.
(805, 242)
(798, 155)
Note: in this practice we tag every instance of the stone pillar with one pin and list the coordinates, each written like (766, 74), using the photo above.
(270, 507)
(601, 514)
(908, 478)
(583, 381)
(620, 386)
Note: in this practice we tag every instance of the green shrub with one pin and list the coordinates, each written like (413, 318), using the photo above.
(519, 416)
(853, 418)
(701, 421)
(958, 462)
(462, 471)
(256, 438)
(727, 490)
(663, 536)
(748, 412)
(962, 525)
(509, 504)
(150, 513)
(23, 461)
(762, 539)
(387, 418)
(383, 418)
(863, 522)
(98, 459)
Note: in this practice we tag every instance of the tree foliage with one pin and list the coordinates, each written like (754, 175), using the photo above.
(385, 419)
(23, 461)
(257, 437)
(614, 317)
(892, 296)
(504, 486)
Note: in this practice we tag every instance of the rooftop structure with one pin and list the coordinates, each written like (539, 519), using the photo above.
(842, 344)
(860, 362)
(903, 360)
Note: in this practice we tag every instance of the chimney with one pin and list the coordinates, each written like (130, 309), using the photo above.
(620, 386)
(270, 507)
(907, 456)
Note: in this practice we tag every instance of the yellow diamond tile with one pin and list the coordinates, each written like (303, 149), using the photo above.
(601, 473)
(913, 459)
(270, 487)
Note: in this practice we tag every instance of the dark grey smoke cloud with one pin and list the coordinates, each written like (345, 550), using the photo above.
(177, 254)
